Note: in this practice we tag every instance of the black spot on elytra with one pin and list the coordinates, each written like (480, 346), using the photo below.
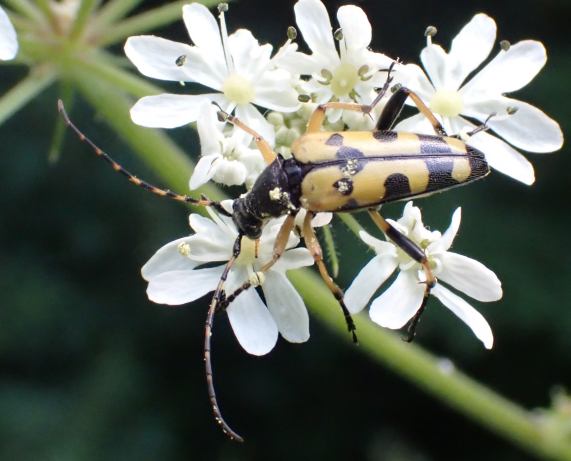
(396, 186)
(335, 139)
(344, 186)
(439, 173)
(351, 204)
(433, 145)
(348, 153)
(385, 136)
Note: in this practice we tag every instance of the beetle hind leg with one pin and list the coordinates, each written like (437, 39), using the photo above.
(416, 253)
(314, 248)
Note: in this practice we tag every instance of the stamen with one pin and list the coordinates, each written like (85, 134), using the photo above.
(291, 33)
(430, 32)
(505, 45)
(222, 8)
(181, 60)
(338, 34)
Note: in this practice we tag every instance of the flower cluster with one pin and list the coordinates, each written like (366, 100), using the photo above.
(273, 94)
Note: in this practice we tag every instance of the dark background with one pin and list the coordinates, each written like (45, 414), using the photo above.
(91, 370)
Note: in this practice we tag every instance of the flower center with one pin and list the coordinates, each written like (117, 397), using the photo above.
(238, 89)
(447, 102)
(344, 79)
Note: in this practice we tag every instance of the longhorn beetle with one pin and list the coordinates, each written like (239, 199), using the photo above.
(332, 172)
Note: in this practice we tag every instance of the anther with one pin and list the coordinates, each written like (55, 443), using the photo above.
(338, 34)
(222, 7)
(181, 60)
(430, 31)
(304, 98)
(291, 33)
(505, 45)
(510, 110)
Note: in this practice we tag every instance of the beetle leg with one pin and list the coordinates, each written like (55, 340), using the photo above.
(218, 298)
(395, 104)
(203, 201)
(262, 145)
(416, 253)
(314, 248)
(279, 248)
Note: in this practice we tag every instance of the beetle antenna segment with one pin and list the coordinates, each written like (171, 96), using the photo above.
(413, 323)
(218, 300)
(131, 177)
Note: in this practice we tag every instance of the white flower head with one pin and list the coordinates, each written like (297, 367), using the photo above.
(349, 74)
(181, 272)
(453, 98)
(236, 66)
(226, 158)
(401, 300)
(8, 39)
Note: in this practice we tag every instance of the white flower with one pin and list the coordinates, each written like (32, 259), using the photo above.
(452, 97)
(398, 304)
(236, 66)
(177, 275)
(225, 159)
(8, 40)
(350, 74)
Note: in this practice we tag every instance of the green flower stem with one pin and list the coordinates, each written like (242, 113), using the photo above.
(153, 146)
(452, 387)
(26, 8)
(86, 8)
(350, 221)
(331, 251)
(24, 91)
(114, 10)
(147, 21)
(102, 67)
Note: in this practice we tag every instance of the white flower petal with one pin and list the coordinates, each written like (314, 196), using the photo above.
(275, 91)
(313, 21)
(416, 124)
(509, 70)
(467, 314)
(356, 28)
(286, 307)
(529, 128)
(156, 57)
(167, 259)
(470, 277)
(248, 114)
(470, 47)
(414, 78)
(445, 242)
(293, 259)
(436, 62)
(381, 247)
(396, 306)
(503, 157)
(181, 287)
(248, 56)
(8, 39)
(203, 30)
(369, 279)
(168, 110)
(252, 323)
(298, 63)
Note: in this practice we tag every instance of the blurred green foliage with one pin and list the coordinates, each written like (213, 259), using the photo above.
(91, 370)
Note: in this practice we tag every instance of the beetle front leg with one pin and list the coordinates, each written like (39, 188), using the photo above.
(261, 144)
(416, 253)
(314, 248)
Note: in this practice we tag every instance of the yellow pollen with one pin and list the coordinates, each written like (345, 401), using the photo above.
(447, 102)
(247, 252)
(238, 89)
(345, 77)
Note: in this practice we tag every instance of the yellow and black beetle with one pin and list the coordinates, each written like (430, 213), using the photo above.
(332, 172)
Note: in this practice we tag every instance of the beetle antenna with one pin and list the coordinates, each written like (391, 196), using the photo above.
(203, 201)
(218, 299)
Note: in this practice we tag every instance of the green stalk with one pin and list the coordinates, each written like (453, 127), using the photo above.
(84, 13)
(350, 221)
(147, 21)
(26, 8)
(24, 91)
(152, 146)
(331, 251)
(114, 10)
(449, 385)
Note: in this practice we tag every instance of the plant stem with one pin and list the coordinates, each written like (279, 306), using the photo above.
(85, 11)
(147, 21)
(24, 91)
(449, 385)
(27, 9)
(114, 10)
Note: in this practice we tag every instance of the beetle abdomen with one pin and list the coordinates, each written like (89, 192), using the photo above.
(354, 170)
